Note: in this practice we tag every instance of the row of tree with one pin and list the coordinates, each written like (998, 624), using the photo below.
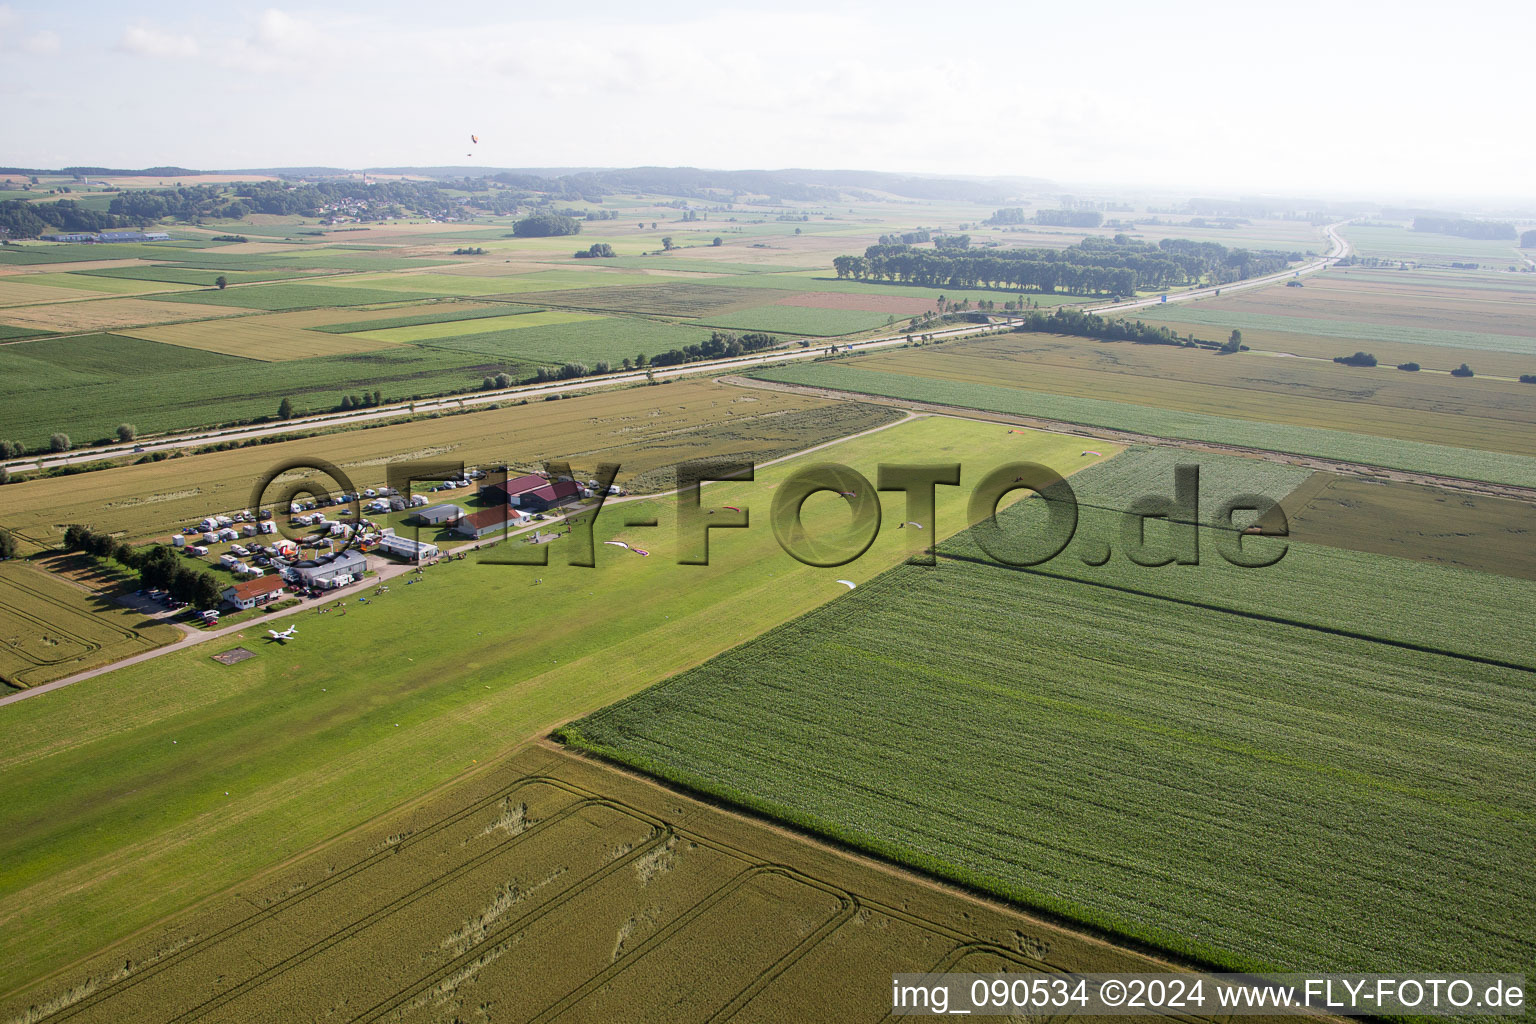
(1091, 325)
(720, 345)
(158, 567)
(1092, 267)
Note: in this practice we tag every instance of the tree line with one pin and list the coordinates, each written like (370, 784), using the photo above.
(721, 345)
(158, 567)
(1462, 228)
(1095, 266)
(1091, 325)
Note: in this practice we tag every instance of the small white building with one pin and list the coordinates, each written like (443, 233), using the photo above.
(407, 547)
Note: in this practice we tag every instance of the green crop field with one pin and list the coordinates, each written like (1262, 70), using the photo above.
(518, 319)
(66, 252)
(801, 320)
(661, 298)
(185, 275)
(89, 403)
(8, 333)
(612, 338)
(1245, 766)
(110, 825)
(449, 312)
(296, 296)
(1403, 244)
(1333, 444)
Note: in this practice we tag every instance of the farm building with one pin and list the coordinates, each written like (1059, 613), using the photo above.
(109, 236)
(255, 592)
(509, 492)
(490, 521)
(543, 498)
(327, 572)
(407, 548)
(437, 515)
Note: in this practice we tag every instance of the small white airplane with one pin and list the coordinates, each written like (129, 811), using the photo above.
(288, 634)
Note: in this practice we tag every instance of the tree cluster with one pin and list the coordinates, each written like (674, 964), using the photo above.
(1464, 228)
(1011, 215)
(907, 238)
(546, 225)
(1092, 267)
(1069, 218)
(157, 567)
(1090, 325)
(721, 345)
(1358, 359)
(367, 400)
(1528, 239)
(599, 250)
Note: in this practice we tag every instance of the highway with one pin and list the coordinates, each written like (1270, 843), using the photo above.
(468, 400)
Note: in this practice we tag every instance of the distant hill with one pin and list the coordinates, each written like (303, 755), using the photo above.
(792, 184)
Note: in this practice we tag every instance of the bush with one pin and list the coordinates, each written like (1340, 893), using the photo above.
(59, 443)
(7, 545)
(1410, 367)
(1462, 371)
(1528, 378)
(1358, 359)
(126, 432)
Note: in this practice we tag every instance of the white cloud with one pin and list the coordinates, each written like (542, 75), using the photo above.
(152, 42)
(42, 43)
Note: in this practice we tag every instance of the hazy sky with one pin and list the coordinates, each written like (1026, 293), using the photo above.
(1404, 100)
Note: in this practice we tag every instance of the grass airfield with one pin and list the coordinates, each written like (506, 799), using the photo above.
(120, 814)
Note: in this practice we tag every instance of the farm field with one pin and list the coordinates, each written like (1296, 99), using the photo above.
(790, 319)
(1430, 247)
(53, 628)
(208, 387)
(1438, 320)
(1492, 535)
(85, 284)
(1253, 783)
(517, 318)
(137, 827)
(107, 313)
(302, 296)
(556, 885)
(699, 419)
(587, 339)
(256, 337)
(1382, 401)
(1465, 463)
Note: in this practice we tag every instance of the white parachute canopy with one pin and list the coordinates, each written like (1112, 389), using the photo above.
(848, 583)
(909, 522)
(619, 543)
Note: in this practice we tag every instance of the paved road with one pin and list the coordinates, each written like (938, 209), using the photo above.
(715, 366)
